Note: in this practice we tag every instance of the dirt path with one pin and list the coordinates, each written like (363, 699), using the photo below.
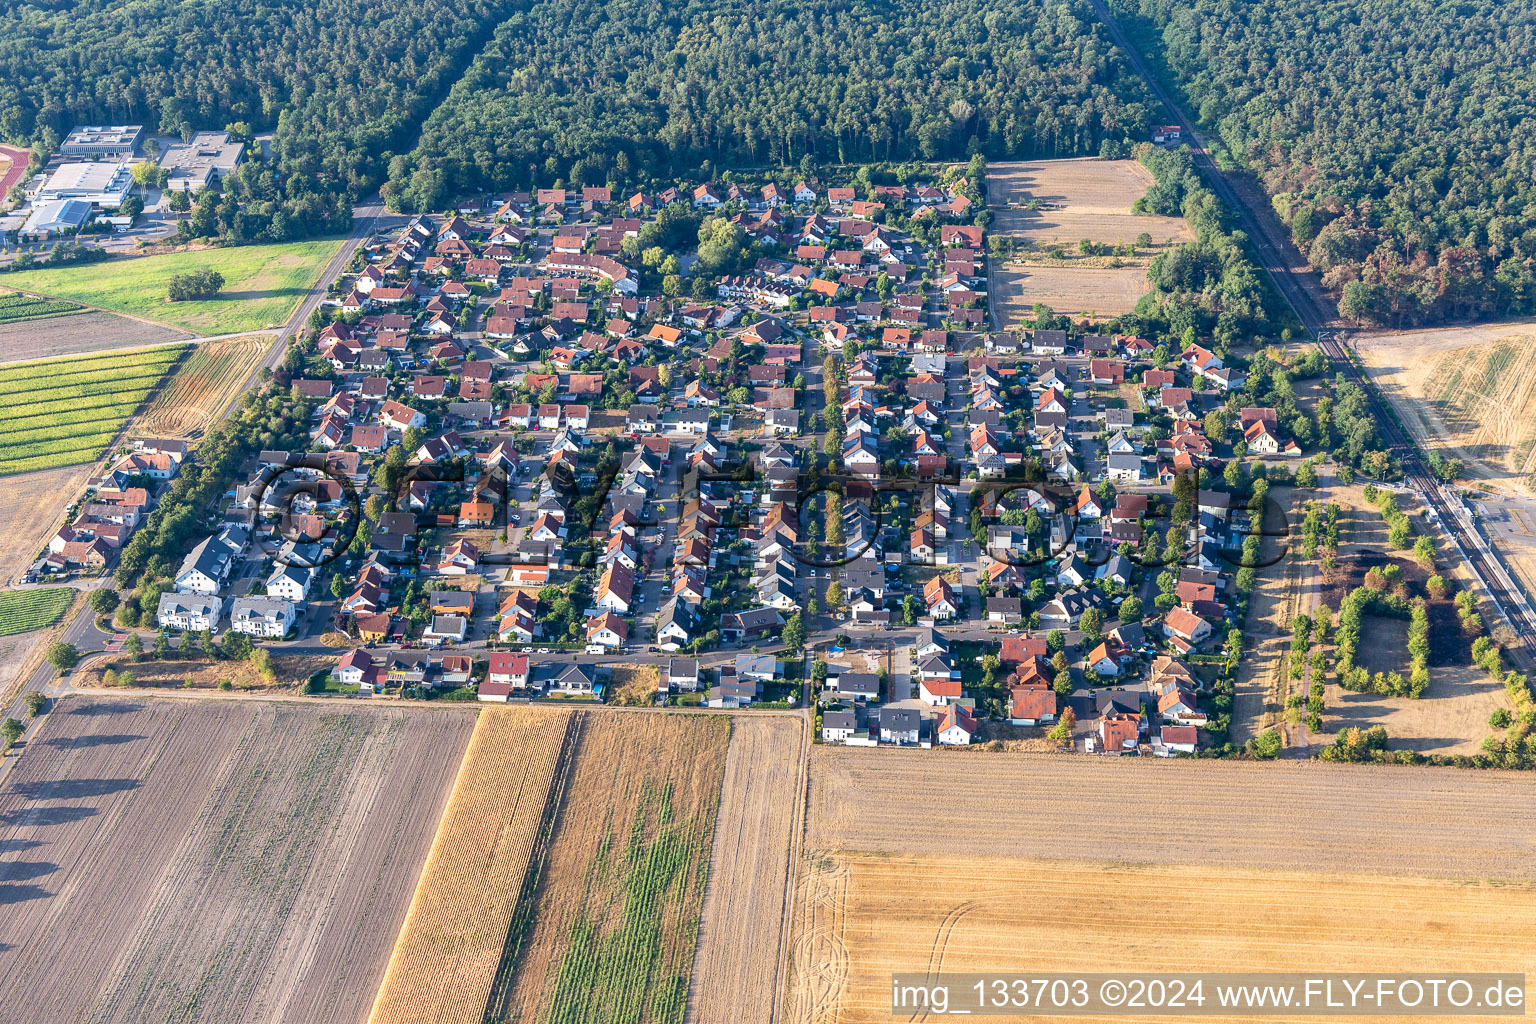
(746, 903)
(1285, 589)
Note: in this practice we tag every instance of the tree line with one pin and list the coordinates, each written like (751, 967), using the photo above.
(1390, 135)
(1210, 285)
(593, 93)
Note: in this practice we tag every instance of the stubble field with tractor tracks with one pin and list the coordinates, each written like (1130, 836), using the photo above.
(744, 914)
(1297, 865)
(1073, 201)
(1468, 392)
(446, 960)
(220, 861)
(205, 384)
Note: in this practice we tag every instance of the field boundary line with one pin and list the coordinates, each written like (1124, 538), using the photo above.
(85, 307)
(522, 911)
(796, 845)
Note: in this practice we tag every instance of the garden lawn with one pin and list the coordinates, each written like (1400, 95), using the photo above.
(262, 284)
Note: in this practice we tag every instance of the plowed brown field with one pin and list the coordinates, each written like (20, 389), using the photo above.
(219, 861)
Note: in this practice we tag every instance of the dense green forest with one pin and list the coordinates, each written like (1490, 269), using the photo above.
(341, 84)
(1397, 137)
(592, 92)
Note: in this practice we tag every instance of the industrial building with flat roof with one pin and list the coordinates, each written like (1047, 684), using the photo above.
(100, 184)
(203, 161)
(121, 141)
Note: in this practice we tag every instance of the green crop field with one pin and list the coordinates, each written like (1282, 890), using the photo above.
(17, 308)
(62, 412)
(22, 611)
(262, 284)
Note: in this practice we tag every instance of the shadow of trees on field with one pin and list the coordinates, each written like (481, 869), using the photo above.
(84, 742)
(74, 789)
(39, 816)
(20, 894)
(105, 707)
(26, 870)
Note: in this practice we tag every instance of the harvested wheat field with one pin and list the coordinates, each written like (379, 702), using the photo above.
(1470, 392)
(214, 861)
(1056, 874)
(868, 919)
(445, 962)
(743, 924)
(1095, 292)
(1082, 198)
(209, 379)
(608, 923)
(1292, 815)
(1075, 200)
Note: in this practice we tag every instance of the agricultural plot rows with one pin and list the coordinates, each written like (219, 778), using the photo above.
(614, 913)
(64, 412)
(204, 386)
(16, 308)
(565, 884)
(214, 861)
(22, 611)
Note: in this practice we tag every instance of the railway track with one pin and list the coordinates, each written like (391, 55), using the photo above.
(1280, 261)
